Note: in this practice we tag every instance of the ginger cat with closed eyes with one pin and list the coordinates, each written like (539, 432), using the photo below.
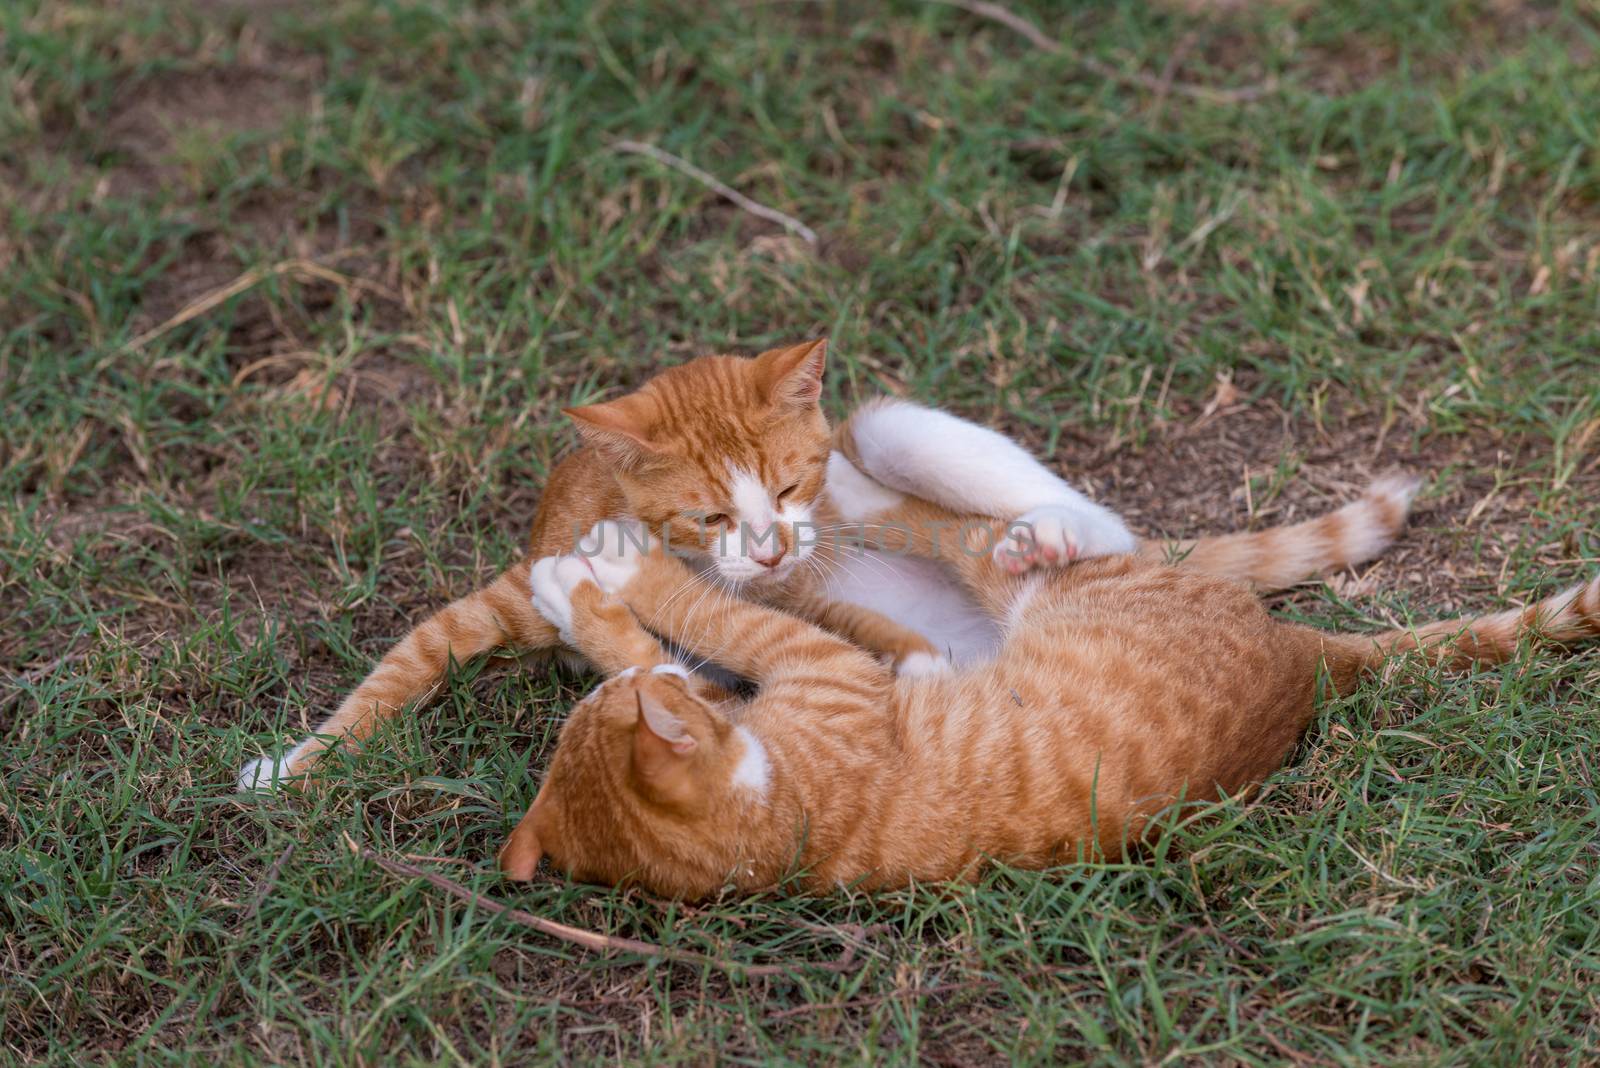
(1121, 686)
(733, 459)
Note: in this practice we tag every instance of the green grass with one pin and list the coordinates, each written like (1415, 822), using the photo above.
(210, 528)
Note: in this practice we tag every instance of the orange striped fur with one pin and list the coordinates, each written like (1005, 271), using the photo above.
(666, 452)
(1122, 687)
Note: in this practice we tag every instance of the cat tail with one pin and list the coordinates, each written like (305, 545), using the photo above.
(499, 614)
(1573, 615)
(1279, 557)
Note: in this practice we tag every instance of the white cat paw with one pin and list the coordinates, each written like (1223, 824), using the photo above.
(1053, 535)
(916, 665)
(552, 580)
(613, 550)
(264, 773)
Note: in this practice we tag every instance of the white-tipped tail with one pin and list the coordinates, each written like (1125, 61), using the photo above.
(1282, 556)
(1376, 518)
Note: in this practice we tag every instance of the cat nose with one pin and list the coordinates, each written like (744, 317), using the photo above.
(770, 557)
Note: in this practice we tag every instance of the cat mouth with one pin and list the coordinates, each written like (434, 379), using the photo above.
(765, 577)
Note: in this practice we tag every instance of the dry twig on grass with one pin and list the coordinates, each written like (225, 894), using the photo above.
(249, 280)
(594, 940)
(1015, 22)
(788, 222)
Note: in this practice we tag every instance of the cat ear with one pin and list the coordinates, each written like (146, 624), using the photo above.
(656, 720)
(660, 740)
(793, 376)
(519, 857)
(619, 428)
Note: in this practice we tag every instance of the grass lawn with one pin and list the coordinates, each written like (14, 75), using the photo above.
(291, 294)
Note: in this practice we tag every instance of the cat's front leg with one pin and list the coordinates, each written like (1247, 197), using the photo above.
(762, 644)
(907, 650)
(566, 592)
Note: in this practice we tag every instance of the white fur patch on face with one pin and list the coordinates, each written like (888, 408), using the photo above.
(796, 521)
(741, 550)
(668, 669)
(628, 673)
(752, 503)
(754, 771)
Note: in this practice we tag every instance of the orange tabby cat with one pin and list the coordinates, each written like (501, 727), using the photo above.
(723, 447)
(1122, 686)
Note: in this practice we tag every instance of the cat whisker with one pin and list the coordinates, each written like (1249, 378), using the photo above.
(691, 613)
(842, 566)
(710, 657)
(683, 587)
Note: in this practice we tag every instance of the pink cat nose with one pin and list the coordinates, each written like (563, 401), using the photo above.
(769, 557)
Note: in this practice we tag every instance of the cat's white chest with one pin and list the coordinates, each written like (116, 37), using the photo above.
(918, 594)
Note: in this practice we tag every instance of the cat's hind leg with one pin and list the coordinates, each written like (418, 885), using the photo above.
(972, 471)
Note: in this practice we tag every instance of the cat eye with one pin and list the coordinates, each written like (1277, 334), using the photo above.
(716, 519)
(790, 492)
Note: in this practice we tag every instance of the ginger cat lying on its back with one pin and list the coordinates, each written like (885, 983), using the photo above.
(733, 459)
(1121, 687)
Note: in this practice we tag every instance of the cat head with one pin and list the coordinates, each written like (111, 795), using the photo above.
(723, 455)
(645, 787)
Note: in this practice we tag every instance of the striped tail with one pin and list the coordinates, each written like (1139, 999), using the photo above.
(1570, 616)
(1282, 556)
(411, 672)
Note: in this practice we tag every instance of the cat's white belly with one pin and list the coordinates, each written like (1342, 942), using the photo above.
(915, 593)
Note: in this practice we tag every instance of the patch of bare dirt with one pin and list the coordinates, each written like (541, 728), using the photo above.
(151, 125)
(1353, 64)
(1483, 36)
(291, 220)
(1486, 33)
(98, 526)
(157, 132)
